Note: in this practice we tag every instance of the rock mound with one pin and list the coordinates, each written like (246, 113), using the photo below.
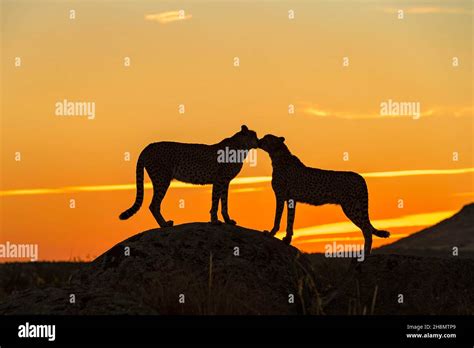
(195, 268)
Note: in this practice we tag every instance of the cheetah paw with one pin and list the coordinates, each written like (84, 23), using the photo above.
(286, 240)
(269, 233)
(230, 222)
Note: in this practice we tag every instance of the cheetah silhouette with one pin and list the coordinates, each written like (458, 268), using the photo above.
(293, 182)
(192, 163)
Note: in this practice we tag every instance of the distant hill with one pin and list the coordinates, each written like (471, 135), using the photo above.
(439, 240)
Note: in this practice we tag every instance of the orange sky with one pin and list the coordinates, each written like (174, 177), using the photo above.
(190, 61)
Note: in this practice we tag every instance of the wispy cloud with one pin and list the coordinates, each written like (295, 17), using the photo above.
(251, 180)
(122, 187)
(316, 110)
(413, 220)
(421, 10)
(418, 172)
(168, 17)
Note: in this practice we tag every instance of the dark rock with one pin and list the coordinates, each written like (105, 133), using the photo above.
(197, 260)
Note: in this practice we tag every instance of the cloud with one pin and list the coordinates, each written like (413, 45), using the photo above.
(416, 172)
(320, 112)
(122, 187)
(421, 10)
(316, 110)
(413, 220)
(168, 17)
(250, 180)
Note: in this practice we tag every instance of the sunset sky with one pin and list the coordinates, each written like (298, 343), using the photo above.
(188, 58)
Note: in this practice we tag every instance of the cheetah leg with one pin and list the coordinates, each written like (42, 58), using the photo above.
(357, 212)
(159, 190)
(217, 189)
(224, 209)
(291, 208)
(280, 203)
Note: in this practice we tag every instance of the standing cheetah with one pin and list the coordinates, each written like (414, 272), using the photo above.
(293, 182)
(192, 163)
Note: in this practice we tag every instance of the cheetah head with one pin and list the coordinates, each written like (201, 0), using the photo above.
(247, 137)
(272, 144)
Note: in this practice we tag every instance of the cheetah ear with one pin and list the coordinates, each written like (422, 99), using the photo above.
(282, 139)
(244, 128)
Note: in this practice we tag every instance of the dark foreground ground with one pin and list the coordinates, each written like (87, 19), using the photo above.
(398, 284)
(384, 284)
(206, 269)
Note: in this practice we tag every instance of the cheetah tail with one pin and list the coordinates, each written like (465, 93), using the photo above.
(139, 199)
(381, 234)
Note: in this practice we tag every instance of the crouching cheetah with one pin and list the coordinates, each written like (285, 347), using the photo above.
(293, 182)
(192, 163)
